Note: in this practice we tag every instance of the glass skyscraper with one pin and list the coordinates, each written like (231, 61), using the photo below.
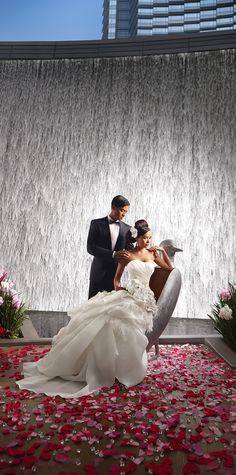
(130, 18)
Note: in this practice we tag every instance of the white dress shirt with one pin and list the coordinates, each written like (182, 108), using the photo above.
(114, 231)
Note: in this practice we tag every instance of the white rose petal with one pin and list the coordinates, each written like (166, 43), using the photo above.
(5, 286)
(225, 313)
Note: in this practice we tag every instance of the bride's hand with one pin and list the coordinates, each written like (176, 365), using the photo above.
(155, 248)
(120, 288)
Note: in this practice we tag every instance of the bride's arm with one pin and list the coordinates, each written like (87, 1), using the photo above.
(118, 274)
(164, 262)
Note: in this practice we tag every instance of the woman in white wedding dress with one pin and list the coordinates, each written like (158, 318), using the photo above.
(105, 338)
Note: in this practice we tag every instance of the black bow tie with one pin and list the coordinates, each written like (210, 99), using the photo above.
(111, 221)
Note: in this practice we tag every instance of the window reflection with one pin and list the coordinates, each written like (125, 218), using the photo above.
(130, 18)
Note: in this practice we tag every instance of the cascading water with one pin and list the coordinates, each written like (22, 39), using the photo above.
(74, 133)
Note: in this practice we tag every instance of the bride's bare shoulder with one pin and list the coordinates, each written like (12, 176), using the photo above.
(132, 254)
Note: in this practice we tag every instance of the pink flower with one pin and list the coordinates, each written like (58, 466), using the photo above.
(16, 301)
(224, 294)
(1, 300)
(12, 291)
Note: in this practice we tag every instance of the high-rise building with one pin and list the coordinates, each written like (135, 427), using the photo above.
(130, 18)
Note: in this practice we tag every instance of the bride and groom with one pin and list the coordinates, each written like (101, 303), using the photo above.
(105, 338)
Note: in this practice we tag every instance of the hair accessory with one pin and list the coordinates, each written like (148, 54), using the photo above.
(133, 232)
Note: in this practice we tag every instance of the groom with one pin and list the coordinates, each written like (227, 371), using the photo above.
(107, 243)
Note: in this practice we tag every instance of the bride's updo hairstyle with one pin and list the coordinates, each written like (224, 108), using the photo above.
(139, 229)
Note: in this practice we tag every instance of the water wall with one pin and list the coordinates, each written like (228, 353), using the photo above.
(160, 130)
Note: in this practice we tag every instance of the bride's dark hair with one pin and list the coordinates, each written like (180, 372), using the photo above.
(142, 228)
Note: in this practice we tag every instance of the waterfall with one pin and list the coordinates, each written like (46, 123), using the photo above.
(161, 130)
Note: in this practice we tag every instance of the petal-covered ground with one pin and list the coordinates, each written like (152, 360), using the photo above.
(181, 419)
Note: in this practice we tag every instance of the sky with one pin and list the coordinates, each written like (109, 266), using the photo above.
(50, 20)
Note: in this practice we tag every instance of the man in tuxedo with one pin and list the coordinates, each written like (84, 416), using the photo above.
(107, 242)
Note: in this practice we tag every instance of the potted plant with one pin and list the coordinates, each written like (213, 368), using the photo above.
(13, 311)
(224, 315)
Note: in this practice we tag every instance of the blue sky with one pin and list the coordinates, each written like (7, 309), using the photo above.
(50, 20)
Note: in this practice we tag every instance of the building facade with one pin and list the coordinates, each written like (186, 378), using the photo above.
(130, 18)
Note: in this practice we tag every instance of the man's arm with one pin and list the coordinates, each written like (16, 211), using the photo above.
(92, 246)
(99, 251)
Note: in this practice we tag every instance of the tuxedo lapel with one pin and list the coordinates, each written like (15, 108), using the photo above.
(105, 231)
(121, 235)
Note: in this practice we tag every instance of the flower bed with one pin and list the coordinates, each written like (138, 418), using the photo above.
(180, 420)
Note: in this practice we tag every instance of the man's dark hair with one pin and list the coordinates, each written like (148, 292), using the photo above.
(119, 201)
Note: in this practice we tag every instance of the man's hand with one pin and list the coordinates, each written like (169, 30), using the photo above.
(121, 256)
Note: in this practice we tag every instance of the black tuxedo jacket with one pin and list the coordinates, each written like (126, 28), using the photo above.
(103, 267)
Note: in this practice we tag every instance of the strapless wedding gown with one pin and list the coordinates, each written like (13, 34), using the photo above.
(105, 339)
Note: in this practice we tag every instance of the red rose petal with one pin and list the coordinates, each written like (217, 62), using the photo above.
(45, 456)
(214, 465)
(190, 468)
(61, 458)
(29, 461)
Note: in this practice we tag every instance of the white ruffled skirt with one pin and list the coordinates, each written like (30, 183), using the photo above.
(105, 339)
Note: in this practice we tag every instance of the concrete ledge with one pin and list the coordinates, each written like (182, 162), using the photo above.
(182, 339)
(25, 341)
(138, 46)
(163, 340)
(28, 330)
(48, 323)
(218, 345)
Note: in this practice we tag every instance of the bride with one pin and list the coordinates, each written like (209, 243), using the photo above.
(105, 338)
